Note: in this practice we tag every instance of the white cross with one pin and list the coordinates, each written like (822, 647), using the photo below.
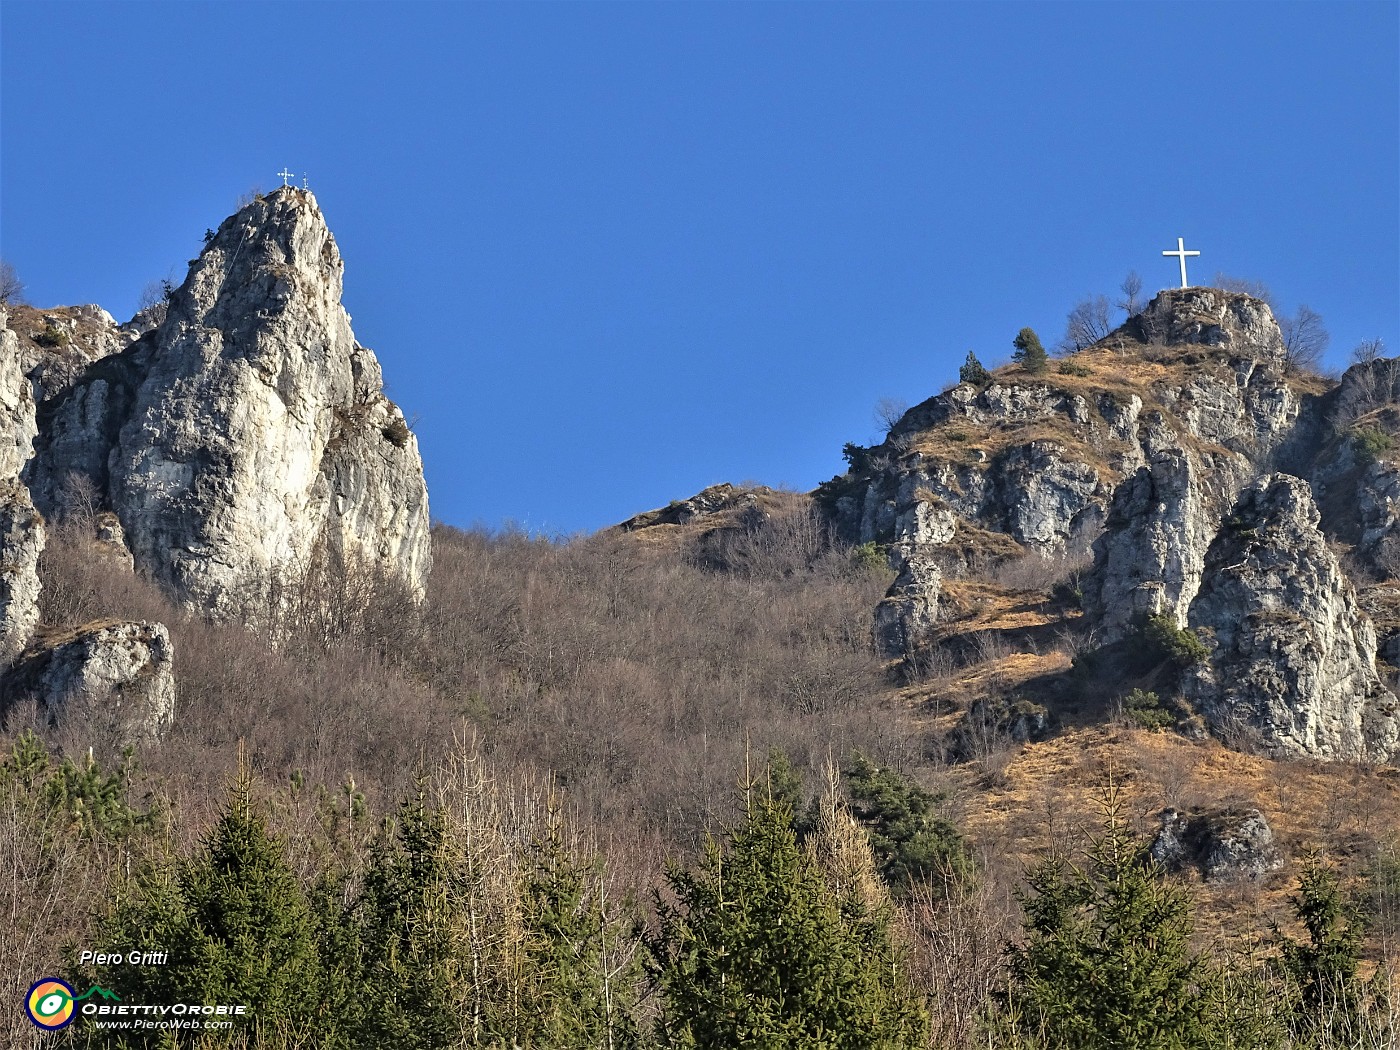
(303, 180)
(285, 176)
(1182, 253)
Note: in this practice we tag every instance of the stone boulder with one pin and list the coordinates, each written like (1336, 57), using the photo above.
(1231, 844)
(1293, 663)
(116, 676)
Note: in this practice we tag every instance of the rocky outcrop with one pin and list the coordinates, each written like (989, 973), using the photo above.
(1151, 556)
(21, 542)
(1208, 317)
(21, 527)
(114, 676)
(1141, 466)
(1140, 448)
(248, 431)
(17, 417)
(707, 503)
(904, 620)
(58, 344)
(1293, 663)
(1231, 844)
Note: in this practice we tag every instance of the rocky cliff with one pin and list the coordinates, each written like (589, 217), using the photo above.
(1132, 467)
(21, 527)
(248, 432)
(220, 444)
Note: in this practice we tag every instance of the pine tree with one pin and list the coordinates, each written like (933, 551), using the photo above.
(407, 992)
(912, 843)
(1323, 971)
(1107, 964)
(973, 372)
(233, 920)
(1029, 354)
(757, 952)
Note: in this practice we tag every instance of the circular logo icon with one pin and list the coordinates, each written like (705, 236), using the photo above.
(50, 1004)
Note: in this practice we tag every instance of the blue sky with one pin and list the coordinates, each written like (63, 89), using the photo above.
(610, 254)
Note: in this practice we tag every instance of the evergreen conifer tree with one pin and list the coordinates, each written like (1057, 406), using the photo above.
(579, 959)
(757, 952)
(1029, 354)
(234, 922)
(1108, 964)
(973, 372)
(912, 843)
(1322, 971)
(406, 988)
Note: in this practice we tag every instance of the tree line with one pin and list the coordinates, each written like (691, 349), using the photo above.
(482, 914)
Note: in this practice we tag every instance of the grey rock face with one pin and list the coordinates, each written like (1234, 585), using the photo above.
(119, 675)
(17, 422)
(1209, 317)
(248, 432)
(904, 620)
(1225, 845)
(21, 527)
(1048, 499)
(1293, 666)
(21, 542)
(1151, 555)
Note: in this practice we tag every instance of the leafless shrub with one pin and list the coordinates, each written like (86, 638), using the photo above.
(154, 301)
(889, 411)
(957, 943)
(1368, 351)
(1087, 323)
(1247, 286)
(1039, 572)
(1305, 339)
(11, 287)
(80, 500)
(1131, 303)
(254, 192)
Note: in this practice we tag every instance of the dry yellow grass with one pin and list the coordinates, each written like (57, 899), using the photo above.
(1049, 794)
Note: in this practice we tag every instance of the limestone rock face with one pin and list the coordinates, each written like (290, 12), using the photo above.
(904, 620)
(248, 431)
(1225, 845)
(1293, 666)
(21, 527)
(17, 422)
(21, 542)
(1152, 553)
(120, 675)
(1210, 317)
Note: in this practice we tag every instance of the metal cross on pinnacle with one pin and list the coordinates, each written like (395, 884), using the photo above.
(1182, 253)
(285, 176)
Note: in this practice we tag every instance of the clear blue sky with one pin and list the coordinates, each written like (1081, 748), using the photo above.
(612, 253)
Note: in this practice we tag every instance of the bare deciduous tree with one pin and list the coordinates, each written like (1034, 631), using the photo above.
(1368, 351)
(1131, 303)
(11, 287)
(889, 411)
(1304, 340)
(1087, 323)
